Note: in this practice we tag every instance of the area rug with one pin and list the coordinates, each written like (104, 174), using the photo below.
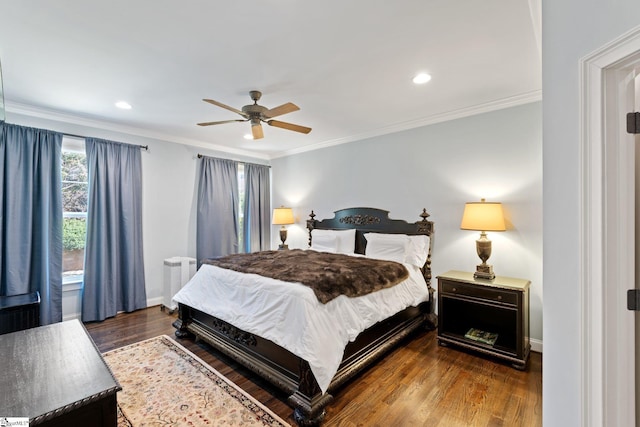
(164, 384)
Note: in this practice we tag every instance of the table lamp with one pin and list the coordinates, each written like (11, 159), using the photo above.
(483, 216)
(283, 216)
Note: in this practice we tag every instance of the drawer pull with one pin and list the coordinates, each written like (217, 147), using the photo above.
(500, 297)
(453, 289)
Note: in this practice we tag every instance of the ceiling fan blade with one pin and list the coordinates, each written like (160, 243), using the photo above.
(220, 104)
(256, 130)
(219, 123)
(280, 110)
(289, 126)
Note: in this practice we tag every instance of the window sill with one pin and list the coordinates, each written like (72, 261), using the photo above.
(72, 283)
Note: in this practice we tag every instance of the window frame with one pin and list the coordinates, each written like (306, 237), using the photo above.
(73, 145)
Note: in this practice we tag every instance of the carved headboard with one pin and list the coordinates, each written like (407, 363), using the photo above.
(366, 220)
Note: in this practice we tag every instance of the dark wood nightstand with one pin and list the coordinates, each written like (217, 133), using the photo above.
(488, 316)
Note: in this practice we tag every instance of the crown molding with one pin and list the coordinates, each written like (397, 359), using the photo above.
(31, 111)
(499, 104)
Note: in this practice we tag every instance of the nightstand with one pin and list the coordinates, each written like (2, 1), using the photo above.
(488, 316)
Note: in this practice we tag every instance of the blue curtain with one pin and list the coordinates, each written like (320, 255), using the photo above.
(218, 202)
(31, 216)
(114, 266)
(256, 226)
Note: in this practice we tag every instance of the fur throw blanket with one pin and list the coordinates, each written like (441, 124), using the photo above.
(328, 274)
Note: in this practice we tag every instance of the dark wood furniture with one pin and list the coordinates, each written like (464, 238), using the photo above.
(291, 373)
(499, 306)
(399, 391)
(18, 312)
(55, 376)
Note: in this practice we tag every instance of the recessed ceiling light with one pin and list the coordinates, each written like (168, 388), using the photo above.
(248, 136)
(124, 105)
(421, 78)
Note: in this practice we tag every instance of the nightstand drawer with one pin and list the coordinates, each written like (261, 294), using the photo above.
(476, 291)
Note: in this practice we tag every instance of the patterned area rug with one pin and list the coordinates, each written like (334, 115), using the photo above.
(164, 384)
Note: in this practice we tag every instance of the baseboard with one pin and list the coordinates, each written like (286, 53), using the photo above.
(150, 303)
(536, 345)
(154, 301)
(72, 316)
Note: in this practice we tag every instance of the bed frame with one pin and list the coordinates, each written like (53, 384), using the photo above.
(293, 374)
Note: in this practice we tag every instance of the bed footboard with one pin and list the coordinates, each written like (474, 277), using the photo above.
(287, 371)
(275, 364)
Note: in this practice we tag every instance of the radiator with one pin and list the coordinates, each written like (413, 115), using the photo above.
(18, 312)
(177, 272)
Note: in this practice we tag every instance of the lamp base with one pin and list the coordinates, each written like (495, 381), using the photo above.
(484, 271)
(283, 238)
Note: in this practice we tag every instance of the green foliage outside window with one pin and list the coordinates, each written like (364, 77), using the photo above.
(74, 182)
(74, 199)
(73, 233)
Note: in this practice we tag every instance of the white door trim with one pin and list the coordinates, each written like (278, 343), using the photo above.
(607, 225)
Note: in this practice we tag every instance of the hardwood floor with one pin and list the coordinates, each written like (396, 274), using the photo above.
(418, 384)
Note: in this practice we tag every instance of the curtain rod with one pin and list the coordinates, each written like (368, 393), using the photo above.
(144, 147)
(220, 158)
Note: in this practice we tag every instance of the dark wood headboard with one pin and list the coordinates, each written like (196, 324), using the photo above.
(367, 220)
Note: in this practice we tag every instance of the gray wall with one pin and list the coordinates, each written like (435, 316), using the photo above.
(496, 155)
(571, 30)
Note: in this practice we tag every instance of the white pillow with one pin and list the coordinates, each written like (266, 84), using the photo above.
(419, 250)
(346, 239)
(416, 253)
(388, 249)
(324, 243)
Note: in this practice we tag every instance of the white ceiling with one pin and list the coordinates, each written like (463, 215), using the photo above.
(347, 64)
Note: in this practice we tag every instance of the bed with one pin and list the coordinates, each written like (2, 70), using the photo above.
(308, 387)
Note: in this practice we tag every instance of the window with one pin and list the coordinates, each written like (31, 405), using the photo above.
(241, 206)
(74, 208)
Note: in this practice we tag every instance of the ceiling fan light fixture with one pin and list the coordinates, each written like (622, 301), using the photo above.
(257, 114)
(421, 78)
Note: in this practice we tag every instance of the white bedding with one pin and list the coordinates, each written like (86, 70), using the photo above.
(290, 315)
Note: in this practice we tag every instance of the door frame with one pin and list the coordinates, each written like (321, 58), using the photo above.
(607, 232)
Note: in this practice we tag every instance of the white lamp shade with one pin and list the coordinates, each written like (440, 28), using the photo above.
(282, 216)
(483, 216)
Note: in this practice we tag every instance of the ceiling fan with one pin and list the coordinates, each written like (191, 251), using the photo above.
(257, 114)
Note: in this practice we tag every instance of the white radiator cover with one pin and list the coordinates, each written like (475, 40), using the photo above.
(177, 272)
